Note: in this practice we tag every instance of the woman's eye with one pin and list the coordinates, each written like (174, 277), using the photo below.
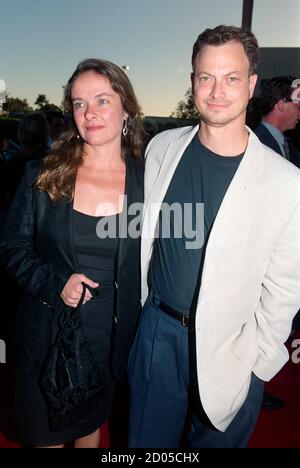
(78, 105)
(103, 101)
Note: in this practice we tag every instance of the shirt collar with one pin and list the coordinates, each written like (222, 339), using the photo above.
(279, 137)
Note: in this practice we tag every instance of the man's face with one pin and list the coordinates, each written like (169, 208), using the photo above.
(221, 84)
(290, 114)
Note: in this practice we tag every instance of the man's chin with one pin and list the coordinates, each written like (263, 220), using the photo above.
(217, 123)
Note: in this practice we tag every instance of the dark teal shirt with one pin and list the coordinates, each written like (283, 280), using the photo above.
(196, 190)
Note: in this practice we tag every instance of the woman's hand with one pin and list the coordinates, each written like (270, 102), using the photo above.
(73, 289)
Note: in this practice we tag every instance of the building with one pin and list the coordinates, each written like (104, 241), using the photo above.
(277, 61)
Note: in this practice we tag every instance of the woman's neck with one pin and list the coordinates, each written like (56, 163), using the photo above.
(102, 158)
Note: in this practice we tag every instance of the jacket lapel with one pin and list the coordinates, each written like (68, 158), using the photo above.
(234, 205)
(134, 194)
(63, 215)
(237, 199)
(64, 232)
(169, 164)
(157, 193)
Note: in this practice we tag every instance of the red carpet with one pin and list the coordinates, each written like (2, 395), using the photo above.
(275, 428)
(280, 428)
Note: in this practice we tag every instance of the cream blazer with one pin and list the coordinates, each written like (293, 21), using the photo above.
(250, 288)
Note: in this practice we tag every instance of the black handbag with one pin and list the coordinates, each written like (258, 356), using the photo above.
(71, 381)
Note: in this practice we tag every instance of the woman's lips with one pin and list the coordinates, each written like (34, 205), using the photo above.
(94, 128)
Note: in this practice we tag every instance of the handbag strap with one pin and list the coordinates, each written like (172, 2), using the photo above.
(94, 292)
(80, 302)
(69, 314)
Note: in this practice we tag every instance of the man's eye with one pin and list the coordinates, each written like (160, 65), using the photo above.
(204, 78)
(232, 78)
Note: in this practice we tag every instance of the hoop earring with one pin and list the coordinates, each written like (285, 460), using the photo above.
(125, 128)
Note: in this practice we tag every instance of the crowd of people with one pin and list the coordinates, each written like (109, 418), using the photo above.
(190, 309)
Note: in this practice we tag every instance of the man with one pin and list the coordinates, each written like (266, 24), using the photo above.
(218, 312)
(280, 109)
(281, 112)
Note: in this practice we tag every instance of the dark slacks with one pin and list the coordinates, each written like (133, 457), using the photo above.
(159, 384)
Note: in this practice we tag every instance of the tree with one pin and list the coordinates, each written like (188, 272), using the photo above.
(43, 105)
(185, 109)
(41, 101)
(12, 104)
(50, 108)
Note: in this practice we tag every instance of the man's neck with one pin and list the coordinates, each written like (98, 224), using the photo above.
(274, 121)
(224, 141)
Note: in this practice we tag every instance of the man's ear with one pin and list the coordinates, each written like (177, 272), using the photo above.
(252, 84)
(280, 105)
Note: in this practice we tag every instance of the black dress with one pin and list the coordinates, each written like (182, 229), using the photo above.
(95, 259)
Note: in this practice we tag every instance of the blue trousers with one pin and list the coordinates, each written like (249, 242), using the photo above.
(158, 372)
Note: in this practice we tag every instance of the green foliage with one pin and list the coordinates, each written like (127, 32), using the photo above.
(41, 101)
(43, 104)
(50, 108)
(12, 104)
(186, 109)
(21, 106)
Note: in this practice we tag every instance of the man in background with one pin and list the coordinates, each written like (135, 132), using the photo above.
(280, 107)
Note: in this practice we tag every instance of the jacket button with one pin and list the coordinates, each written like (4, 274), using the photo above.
(116, 285)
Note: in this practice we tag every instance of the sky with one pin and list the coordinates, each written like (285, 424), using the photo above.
(42, 41)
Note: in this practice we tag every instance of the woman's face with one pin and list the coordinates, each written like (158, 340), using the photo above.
(98, 111)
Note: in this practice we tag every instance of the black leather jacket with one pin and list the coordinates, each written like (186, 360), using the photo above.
(36, 249)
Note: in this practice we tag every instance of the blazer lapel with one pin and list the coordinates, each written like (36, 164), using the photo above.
(156, 196)
(234, 205)
(169, 164)
(122, 246)
(237, 198)
(63, 222)
(134, 194)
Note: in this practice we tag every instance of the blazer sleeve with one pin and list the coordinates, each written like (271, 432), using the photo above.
(39, 278)
(280, 300)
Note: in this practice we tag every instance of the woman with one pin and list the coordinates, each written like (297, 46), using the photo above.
(50, 244)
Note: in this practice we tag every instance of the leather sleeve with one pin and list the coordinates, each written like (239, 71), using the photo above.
(36, 276)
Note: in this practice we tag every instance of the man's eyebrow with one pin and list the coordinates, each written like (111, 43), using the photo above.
(234, 72)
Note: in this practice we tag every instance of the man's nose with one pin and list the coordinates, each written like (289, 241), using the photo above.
(217, 90)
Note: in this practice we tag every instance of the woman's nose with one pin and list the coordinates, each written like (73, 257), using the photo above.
(90, 112)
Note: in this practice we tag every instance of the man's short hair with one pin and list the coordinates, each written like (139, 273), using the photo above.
(274, 90)
(222, 35)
